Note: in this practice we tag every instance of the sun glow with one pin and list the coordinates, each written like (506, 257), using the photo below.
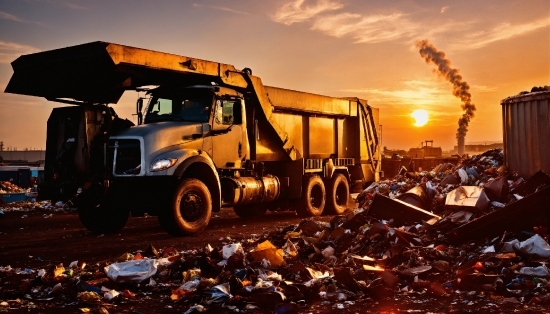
(420, 116)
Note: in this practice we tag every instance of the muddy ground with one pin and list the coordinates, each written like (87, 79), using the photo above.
(37, 238)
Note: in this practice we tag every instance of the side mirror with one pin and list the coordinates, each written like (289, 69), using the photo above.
(139, 108)
(206, 128)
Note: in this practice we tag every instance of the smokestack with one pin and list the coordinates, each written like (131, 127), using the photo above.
(461, 89)
(460, 145)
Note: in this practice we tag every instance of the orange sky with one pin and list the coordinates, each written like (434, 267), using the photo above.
(337, 48)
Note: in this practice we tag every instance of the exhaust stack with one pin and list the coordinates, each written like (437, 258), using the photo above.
(460, 145)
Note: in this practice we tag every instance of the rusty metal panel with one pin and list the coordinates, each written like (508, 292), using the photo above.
(348, 141)
(526, 131)
(290, 100)
(321, 137)
(402, 213)
(293, 126)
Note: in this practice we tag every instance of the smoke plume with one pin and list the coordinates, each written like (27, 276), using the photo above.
(461, 89)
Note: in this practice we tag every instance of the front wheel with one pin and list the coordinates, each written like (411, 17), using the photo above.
(337, 194)
(105, 216)
(190, 211)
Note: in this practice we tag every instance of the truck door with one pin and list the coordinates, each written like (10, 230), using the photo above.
(229, 141)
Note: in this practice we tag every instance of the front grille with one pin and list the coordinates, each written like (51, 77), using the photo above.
(128, 156)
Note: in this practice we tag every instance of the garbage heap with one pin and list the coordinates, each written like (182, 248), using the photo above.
(469, 234)
(8, 187)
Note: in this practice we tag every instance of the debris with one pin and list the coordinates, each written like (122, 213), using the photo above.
(535, 246)
(516, 216)
(231, 249)
(473, 254)
(402, 213)
(131, 271)
(267, 251)
(497, 189)
(539, 271)
(470, 198)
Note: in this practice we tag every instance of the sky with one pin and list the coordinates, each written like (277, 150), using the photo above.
(341, 48)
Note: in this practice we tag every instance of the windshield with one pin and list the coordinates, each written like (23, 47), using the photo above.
(195, 108)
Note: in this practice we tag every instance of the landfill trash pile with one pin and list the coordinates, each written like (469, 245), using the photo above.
(405, 243)
(8, 187)
(31, 206)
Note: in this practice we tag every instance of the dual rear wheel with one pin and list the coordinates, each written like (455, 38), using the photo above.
(317, 199)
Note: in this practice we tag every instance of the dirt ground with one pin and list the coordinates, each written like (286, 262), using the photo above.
(40, 239)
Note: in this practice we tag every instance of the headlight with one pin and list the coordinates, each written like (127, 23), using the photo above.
(162, 164)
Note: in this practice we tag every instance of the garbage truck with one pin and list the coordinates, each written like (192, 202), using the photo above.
(206, 136)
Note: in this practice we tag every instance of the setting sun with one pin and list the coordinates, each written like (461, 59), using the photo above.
(420, 116)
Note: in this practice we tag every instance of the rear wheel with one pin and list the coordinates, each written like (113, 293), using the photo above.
(337, 194)
(250, 210)
(312, 201)
(102, 214)
(190, 211)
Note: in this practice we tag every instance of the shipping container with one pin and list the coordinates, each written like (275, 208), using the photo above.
(526, 132)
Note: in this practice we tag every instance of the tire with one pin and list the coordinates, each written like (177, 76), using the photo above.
(250, 210)
(337, 195)
(312, 202)
(190, 211)
(105, 217)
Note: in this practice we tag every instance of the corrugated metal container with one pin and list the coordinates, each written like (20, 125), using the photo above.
(526, 123)
(13, 197)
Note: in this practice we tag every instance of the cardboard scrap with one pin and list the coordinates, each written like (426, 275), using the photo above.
(266, 250)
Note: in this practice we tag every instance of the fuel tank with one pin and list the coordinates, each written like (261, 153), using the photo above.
(249, 190)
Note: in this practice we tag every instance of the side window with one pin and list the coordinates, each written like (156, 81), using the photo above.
(162, 106)
(224, 112)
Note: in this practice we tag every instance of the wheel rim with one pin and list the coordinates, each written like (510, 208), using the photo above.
(316, 196)
(341, 194)
(191, 206)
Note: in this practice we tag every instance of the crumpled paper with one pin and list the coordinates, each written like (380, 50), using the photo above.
(231, 249)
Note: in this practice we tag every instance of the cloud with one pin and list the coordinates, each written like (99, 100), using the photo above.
(75, 6)
(366, 29)
(373, 28)
(414, 92)
(196, 5)
(11, 17)
(484, 88)
(7, 16)
(503, 31)
(384, 27)
(296, 12)
(10, 51)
